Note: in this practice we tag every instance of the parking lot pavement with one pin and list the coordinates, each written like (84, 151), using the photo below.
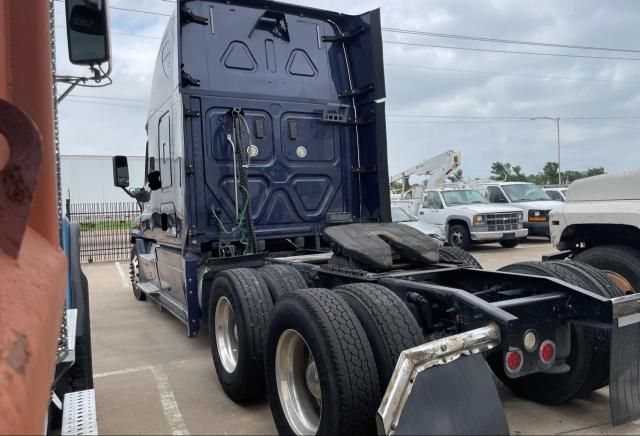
(151, 379)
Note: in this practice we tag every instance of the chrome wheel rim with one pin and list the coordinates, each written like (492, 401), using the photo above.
(226, 334)
(298, 383)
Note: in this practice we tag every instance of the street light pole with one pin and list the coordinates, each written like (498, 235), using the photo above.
(556, 120)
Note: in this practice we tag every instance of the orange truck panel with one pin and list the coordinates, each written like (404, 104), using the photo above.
(32, 285)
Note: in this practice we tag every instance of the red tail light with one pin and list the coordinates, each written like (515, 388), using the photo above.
(547, 352)
(514, 361)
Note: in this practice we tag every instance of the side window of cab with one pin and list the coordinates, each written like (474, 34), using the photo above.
(495, 195)
(433, 200)
(164, 151)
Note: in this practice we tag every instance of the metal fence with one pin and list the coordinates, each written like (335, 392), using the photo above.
(104, 229)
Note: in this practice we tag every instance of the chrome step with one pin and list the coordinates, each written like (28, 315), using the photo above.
(148, 288)
(79, 413)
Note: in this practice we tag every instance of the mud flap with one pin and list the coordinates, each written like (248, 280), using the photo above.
(444, 387)
(457, 398)
(624, 384)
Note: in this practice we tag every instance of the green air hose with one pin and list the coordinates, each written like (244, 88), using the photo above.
(244, 223)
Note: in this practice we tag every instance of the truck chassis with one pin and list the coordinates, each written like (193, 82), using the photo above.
(453, 318)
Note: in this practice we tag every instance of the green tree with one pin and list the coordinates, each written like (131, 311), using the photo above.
(517, 174)
(500, 170)
(594, 172)
(504, 171)
(549, 174)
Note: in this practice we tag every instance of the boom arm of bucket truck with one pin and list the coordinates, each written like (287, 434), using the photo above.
(438, 168)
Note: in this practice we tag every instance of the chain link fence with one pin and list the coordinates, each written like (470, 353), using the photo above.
(105, 229)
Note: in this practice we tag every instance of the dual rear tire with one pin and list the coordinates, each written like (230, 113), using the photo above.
(589, 356)
(355, 334)
(324, 357)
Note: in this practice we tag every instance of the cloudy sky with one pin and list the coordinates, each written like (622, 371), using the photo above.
(430, 90)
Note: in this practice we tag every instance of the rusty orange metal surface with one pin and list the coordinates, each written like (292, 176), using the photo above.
(32, 285)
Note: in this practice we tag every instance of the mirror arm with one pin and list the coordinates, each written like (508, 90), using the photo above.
(70, 88)
(140, 195)
(98, 76)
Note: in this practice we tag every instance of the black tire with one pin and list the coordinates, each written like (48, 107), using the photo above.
(605, 287)
(281, 279)
(388, 323)
(458, 256)
(618, 259)
(584, 360)
(134, 275)
(459, 236)
(343, 357)
(510, 243)
(251, 303)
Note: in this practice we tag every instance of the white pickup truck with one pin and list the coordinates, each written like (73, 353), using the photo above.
(467, 218)
(529, 198)
(599, 224)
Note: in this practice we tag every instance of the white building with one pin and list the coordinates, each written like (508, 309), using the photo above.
(89, 179)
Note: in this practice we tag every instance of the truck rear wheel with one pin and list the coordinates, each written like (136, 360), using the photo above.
(281, 279)
(620, 263)
(321, 375)
(459, 236)
(587, 364)
(239, 310)
(458, 256)
(387, 322)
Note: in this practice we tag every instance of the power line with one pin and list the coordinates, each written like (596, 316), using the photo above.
(132, 10)
(619, 126)
(506, 41)
(456, 122)
(510, 52)
(121, 34)
(101, 97)
(513, 118)
(496, 73)
(71, 99)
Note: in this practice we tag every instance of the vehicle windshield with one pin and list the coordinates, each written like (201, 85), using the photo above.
(399, 215)
(525, 192)
(460, 197)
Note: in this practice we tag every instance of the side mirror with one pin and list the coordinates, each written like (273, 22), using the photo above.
(120, 172)
(88, 31)
(153, 179)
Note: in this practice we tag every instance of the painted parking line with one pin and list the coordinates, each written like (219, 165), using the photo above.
(168, 401)
(123, 277)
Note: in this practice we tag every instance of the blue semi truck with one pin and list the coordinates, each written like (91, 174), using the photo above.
(266, 219)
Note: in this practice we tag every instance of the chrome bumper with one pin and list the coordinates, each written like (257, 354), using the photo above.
(497, 236)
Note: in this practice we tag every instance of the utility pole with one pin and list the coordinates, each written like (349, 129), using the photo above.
(556, 120)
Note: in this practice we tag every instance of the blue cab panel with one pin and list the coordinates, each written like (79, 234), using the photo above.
(310, 86)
